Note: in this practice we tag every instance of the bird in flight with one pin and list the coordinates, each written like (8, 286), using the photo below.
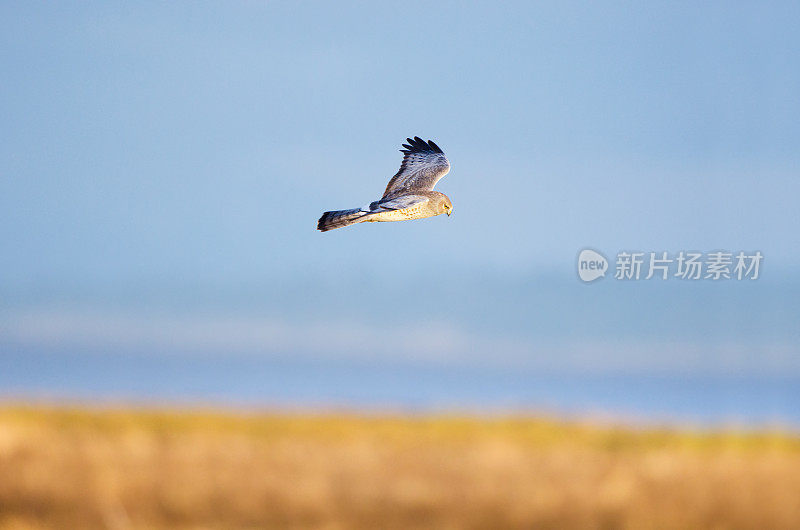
(409, 194)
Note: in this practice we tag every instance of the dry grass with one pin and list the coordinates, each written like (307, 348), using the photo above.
(136, 469)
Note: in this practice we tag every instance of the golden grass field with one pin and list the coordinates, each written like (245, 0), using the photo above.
(70, 468)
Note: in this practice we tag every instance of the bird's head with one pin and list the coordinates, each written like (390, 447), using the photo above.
(447, 206)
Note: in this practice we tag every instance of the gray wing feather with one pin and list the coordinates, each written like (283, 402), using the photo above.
(423, 165)
(397, 203)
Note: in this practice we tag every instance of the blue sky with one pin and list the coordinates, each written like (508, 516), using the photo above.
(201, 140)
(183, 151)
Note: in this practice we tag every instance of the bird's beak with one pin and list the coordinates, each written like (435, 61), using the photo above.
(449, 212)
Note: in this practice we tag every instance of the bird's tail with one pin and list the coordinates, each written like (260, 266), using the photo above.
(340, 218)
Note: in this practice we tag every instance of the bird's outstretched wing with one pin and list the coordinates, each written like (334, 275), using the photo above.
(423, 165)
(397, 203)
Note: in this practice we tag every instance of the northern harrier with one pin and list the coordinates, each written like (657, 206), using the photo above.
(409, 194)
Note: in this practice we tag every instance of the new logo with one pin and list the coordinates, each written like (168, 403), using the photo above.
(591, 265)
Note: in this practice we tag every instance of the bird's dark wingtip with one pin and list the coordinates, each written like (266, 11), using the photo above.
(418, 145)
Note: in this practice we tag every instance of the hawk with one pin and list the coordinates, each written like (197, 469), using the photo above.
(409, 194)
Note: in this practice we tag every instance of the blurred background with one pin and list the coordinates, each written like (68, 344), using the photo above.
(180, 348)
(163, 167)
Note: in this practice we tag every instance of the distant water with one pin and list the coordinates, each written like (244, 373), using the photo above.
(251, 381)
